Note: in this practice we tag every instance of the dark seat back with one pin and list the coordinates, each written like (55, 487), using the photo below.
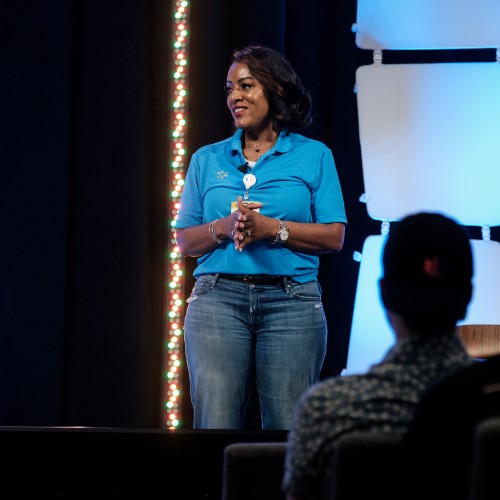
(485, 474)
(437, 451)
(253, 471)
(362, 466)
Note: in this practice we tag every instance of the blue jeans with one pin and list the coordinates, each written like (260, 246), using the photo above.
(236, 333)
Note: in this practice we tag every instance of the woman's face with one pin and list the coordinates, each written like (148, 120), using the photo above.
(246, 99)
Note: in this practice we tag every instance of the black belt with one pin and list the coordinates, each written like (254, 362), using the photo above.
(254, 279)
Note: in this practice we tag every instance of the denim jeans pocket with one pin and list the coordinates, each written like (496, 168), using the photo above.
(201, 286)
(305, 291)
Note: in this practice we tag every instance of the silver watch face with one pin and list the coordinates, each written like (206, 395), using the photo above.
(283, 234)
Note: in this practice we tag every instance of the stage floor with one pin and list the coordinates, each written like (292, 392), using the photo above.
(95, 463)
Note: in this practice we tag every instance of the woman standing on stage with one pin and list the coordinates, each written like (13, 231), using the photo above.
(256, 210)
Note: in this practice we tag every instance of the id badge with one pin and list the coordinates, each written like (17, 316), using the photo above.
(234, 205)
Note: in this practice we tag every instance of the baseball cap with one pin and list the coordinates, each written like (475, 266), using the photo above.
(428, 267)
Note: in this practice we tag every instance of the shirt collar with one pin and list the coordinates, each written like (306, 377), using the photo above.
(283, 144)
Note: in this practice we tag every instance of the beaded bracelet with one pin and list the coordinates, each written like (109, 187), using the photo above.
(211, 230)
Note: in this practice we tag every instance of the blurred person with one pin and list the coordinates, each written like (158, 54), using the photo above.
(425, 289)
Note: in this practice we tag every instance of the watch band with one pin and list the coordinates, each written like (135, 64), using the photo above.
(277, 235)
(277, 238)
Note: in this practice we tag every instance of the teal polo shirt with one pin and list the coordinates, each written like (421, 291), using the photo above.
(295, 181)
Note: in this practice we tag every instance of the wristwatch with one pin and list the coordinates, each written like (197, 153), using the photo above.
(282, 233)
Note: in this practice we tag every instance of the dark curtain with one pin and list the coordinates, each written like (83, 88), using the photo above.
(83, 124)
(84, 109)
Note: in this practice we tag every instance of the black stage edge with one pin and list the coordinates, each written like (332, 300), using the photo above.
(95, 463)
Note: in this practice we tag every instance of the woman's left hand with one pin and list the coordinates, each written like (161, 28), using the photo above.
(250, 225)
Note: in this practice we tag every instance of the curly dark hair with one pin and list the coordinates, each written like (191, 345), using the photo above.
(289, 101)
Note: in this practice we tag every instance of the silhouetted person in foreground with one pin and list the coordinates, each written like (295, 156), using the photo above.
(425, 288)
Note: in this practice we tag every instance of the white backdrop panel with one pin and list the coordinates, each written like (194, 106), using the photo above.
(427, 24)
(429, 137)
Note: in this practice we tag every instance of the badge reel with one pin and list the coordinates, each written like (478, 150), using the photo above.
(248, 180)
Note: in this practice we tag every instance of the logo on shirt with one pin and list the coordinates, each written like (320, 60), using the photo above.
(222, 174)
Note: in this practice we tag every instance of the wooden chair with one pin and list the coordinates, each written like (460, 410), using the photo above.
(481, 341)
